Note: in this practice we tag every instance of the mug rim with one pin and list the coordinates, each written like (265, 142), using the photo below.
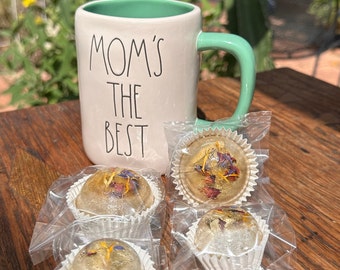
(193, 9)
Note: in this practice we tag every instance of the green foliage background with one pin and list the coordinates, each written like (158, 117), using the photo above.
(42, 53)
(248, 19)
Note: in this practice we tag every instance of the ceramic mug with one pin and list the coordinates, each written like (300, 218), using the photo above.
(138, 67)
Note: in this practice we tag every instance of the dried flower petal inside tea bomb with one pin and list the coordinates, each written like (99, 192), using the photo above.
(216, 167)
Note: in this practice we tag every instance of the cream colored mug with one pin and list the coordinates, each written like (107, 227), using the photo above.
(138, 67)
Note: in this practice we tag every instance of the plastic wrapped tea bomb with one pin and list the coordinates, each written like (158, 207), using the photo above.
(229, 238)
(114, 191)
(117, 200)
(214, 166)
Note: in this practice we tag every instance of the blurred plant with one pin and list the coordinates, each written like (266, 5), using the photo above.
(42, 53)
(325, 11)
(5, 13)
(248, 19)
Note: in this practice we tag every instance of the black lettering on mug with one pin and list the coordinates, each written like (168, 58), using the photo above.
(159, 56)
(115, 134)
(117, 141)
(120, 46)
(109, 142)
(119, 56)
(129, 140)
(124, 97)
(98, 46)
(141, 137)
(114, 100)
(138, 51)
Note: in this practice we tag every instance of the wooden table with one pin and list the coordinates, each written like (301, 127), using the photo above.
(38, 145)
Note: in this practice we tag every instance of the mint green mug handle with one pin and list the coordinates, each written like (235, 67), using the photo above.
(241, 49)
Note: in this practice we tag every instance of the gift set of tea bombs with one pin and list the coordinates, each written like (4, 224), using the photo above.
(212, 171)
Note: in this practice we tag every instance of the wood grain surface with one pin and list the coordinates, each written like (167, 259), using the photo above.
(40, 144)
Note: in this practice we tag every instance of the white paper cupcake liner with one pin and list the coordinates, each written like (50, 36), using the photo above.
(133, 219)
(143, 255)
(238, 139)
(115, 227)
(249, 261)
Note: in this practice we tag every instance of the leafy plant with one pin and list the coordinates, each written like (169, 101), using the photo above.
(42, 52)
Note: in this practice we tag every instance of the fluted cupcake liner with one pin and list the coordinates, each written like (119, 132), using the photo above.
(115, 227)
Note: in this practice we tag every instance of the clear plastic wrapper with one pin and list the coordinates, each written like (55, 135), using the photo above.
(121, 187)
(214, 164)
(276, 253)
